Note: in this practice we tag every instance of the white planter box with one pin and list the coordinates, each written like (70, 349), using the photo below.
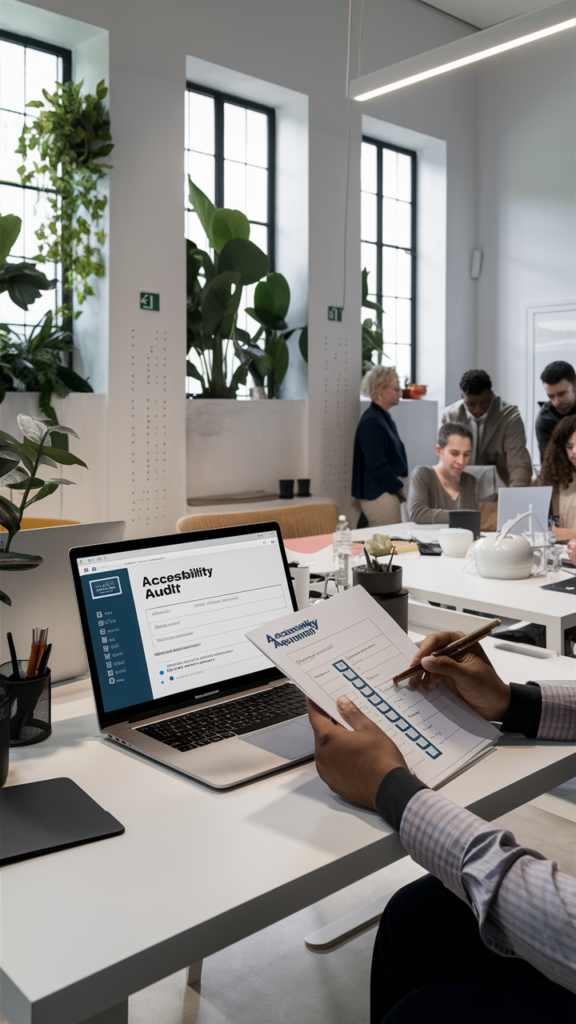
(234, 446)
(86, 414)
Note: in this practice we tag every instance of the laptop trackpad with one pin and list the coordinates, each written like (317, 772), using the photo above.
(291, 740)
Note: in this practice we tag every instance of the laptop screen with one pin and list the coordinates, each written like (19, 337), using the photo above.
(165, 621)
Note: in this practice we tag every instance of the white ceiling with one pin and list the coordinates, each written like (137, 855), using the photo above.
(484, 13)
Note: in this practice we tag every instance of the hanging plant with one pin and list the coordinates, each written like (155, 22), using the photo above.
(71, 137)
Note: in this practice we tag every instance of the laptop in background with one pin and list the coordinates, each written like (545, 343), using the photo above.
(174, 677)
(45, 596)
(512, 501)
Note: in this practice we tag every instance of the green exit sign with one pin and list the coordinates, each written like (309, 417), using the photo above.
(335, 312)
(150, 300)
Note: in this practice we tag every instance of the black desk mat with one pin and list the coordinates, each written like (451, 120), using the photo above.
(55, 814)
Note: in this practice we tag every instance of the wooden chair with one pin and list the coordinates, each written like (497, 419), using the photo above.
(40, 524)
(296, 521)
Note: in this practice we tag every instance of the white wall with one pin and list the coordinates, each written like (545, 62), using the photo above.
(526, 200)
(300, 46)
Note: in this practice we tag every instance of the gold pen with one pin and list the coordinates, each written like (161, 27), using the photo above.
(453, 648)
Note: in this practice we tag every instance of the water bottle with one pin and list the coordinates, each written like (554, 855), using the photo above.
(342, 550)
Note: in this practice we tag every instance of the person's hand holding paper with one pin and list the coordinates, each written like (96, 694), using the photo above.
(470, 676)
(352, 764)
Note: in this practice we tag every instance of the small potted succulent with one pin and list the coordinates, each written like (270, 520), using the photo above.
(378, 577)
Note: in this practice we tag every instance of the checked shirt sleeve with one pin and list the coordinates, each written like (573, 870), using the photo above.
(558, 717)
(524, 906)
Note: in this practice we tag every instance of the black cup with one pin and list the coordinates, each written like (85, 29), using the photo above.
(4, 733)
(30, 711)
(377, 583)
(303, 488)
(286, 488)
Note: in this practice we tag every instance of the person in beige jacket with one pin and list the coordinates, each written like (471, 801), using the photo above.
(498, 435)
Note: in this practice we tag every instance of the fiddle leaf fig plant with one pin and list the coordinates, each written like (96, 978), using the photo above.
(20, 464)
(372, 336)
(23, 282)
(271, 301)
(214, 291)
(214, 287)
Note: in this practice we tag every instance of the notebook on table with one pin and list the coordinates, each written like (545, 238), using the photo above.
(174, 677)
(350, 646)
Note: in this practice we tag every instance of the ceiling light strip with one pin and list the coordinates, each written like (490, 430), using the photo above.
(503, 37)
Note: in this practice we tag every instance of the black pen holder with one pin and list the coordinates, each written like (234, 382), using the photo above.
(30, 719)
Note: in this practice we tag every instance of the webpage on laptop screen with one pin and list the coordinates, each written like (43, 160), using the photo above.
(174, 618)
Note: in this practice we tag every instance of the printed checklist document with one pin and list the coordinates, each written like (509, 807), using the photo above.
(350, 646)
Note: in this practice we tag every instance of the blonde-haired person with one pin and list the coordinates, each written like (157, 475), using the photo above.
(379, 455)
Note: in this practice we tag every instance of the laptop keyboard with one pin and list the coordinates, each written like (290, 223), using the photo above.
(232, 718)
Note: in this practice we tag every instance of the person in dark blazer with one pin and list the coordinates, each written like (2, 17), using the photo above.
(380, 466)
(498, 435)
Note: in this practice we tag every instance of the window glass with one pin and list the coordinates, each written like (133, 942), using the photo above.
(25, 70)
(388, 247)
(229, 153)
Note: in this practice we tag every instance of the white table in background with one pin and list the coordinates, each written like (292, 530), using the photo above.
(454, 581)
(197, 870)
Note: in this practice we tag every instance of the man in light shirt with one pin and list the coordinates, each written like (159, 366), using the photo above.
(489, 935)
(498, 435)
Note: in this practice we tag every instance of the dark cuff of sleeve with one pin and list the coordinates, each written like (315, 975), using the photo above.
(525, 709)
(394, 792)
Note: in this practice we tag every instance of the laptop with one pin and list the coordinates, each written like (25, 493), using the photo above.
(45, 596)
(512, 501)
(164, 622)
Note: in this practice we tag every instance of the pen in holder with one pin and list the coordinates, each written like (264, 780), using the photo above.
(29, 698)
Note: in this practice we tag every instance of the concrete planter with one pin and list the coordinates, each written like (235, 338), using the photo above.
(234, 446)
(86, 414)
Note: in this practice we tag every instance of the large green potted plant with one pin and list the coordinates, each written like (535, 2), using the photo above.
(20, 463)
(33, 360)
(23, 282)
(268, 367)
(214, 292)
(71, 139)
(372, 335)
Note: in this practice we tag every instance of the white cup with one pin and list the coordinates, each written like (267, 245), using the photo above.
(301, 583)
(455, 541)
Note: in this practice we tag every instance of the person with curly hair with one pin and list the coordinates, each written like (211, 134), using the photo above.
(559, 470)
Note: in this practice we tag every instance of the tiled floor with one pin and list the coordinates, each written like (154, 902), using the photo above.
(272, 978)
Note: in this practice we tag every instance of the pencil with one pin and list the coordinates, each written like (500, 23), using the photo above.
(41, 648)
(454, 648)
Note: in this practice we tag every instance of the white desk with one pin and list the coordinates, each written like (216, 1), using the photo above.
(454, 581)
(197, 870)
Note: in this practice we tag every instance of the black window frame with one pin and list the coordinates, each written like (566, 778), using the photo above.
(37, 44)
(380, 147)
(66, 56)
(220, 98)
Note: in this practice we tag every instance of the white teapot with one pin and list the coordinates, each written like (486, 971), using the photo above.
(507, 556)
